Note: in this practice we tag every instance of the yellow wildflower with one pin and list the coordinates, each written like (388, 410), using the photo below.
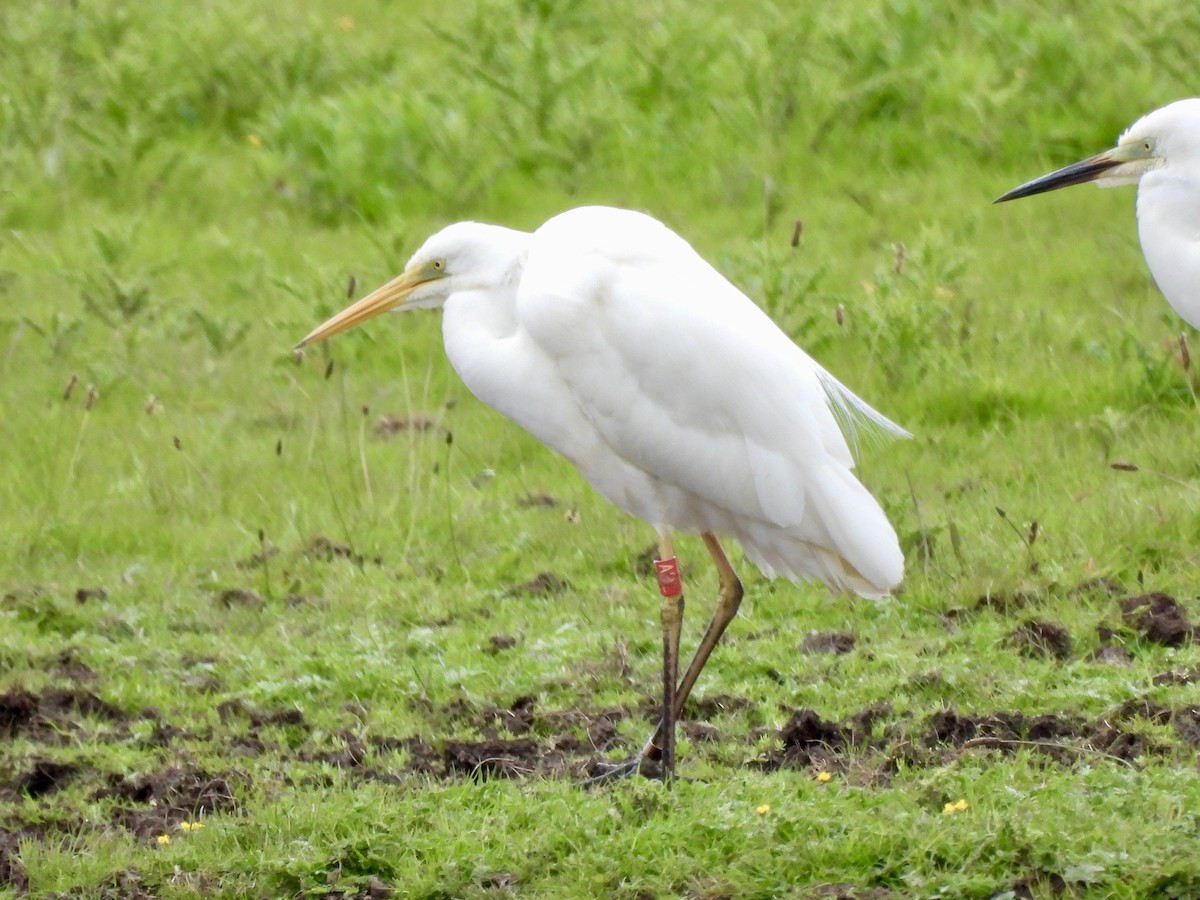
(823, 776)
(163, 839)
(951, 808)
(190, 826)
(253, 140)
(764, 809)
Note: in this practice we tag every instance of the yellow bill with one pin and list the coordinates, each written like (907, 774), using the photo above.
(389, 297)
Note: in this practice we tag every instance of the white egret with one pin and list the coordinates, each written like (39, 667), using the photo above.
(606, 336)
(1160, 153)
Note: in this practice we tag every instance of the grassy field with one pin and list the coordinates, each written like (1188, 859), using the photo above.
(323, 625)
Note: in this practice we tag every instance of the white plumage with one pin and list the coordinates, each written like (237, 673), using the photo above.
(608, 338)
(1160, 153)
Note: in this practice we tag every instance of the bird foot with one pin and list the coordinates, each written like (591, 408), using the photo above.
(603, 772)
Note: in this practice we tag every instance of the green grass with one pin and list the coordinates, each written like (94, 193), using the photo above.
(186, 189)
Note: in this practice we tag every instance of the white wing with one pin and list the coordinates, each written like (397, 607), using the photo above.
(684, 379)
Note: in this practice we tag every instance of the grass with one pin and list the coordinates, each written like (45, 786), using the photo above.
(231, 574)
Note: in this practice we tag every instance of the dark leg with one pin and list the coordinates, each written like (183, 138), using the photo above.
(728, 601)
(672, 623)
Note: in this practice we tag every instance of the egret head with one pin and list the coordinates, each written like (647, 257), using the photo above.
(1165, 137)
(466, 256)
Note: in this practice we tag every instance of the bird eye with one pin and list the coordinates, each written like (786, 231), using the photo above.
(1147, 146)
(439, 264)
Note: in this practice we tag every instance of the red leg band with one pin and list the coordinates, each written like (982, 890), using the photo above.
(669, 582)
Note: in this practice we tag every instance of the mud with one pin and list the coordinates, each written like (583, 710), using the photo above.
(233, 597)
(44, 776)
(1036, 638)
(1159, 618)
(542, 584)
(87, 594)
(49, 716)
(12, 873)
(153, 803)
(522, 736)
(828, 642)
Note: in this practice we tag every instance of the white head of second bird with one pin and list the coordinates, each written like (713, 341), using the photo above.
(1160, 153)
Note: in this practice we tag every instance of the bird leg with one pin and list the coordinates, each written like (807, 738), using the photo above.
(728, 601)
(666, 569)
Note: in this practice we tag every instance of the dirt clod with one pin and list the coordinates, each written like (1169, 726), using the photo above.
(1186, 722)
(1003, 603)
(323, 548)
(1039, 884)
(12, 874)
(1159, 618)
(1141, 708)
(256, 560)
(84, 594)
(231, 597)
(70, 666)
(700, 732)
(828, 642)
(45, 777)
(542, 584)
(154, 802)
(516, 719)
(1183, 675)
(350, 754)
(1096, 587)
(1037, 638)
(18, 708)
(289, 717)
(41, 716)
(808, 739)
(491, 759)
(500, 880)
(709, 706)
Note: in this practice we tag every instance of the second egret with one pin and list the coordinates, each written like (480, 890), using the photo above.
(1160, 153)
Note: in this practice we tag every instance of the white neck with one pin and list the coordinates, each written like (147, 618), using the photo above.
(1168, 211)
(502, 366)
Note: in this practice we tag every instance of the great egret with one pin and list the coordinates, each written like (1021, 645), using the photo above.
(1160, 153)
(606, 336)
